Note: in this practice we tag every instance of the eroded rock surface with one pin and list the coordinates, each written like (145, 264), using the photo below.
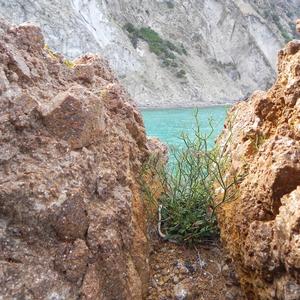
(231, 44)
(261, 226)
(71, 147)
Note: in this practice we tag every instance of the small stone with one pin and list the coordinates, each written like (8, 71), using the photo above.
(165, 271)
(293, 47)
(232, 294)
(161, 282)
(180, 292)
(156, 267)
(175, 279)
(225, 268)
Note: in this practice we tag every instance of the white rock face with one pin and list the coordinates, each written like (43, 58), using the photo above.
(231, 44)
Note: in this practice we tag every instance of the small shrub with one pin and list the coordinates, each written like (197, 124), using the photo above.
(259, 140)
(169, 55)
(171, 46)
(156, 49)
(183, 50)
(181, 74)
(174, 64)
(149, 35)
(170, 4)
(69, 63)
(166, 62)
(286, 36)
(134, 40)
(189, 199)
(282, 30)
(160, 47)
(129, 27)
(50, 52)
(275, 18)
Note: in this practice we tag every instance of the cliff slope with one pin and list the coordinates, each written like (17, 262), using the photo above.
(71, 147)
(211, 51)
(261, 226)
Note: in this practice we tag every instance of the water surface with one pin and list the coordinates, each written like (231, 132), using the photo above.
(168, 124)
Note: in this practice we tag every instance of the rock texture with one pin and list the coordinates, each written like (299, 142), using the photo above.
(260, 227)
(71, 147)
(231, 45)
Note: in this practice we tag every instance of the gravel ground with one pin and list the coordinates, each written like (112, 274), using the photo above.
(200, 272)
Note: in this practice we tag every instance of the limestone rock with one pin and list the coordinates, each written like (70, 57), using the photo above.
(231, 45)
(72, 221)
(260, 227)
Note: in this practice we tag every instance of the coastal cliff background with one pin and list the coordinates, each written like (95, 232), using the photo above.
(199, 52)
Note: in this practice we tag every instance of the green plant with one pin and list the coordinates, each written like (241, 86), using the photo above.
(170, 4)
(286, 36)
(134, 40)
(51, 53)
(183, 50)
(69, 63)
(166, 62)
(282, 30)
(129, 27)
(194, 187)
(174, 64)
(160, 47)
(259, 140)
(181, 74)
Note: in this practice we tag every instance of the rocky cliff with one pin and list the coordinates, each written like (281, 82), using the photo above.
(200, 52)
(71, 147)
(260, 226)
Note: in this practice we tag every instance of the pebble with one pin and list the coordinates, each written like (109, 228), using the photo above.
(165, 271)
(180, 292)
(160, 282)
(175, 279)
(176, 276)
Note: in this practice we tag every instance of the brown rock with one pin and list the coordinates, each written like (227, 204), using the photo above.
(293, 47)
(75, 116)
(72, 261)
(84, 72)
(72, 218)
(260, 227)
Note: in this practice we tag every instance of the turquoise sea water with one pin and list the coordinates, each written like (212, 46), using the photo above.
(168, 124)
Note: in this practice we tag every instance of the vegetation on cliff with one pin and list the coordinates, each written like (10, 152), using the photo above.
(164, 49)
(190, 184)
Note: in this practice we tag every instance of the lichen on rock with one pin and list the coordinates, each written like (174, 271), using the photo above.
(72, 223)
(260, 227)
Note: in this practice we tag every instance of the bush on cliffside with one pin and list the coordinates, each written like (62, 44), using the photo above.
(181, 74)
(194, 187)
(170, 4)
(164, 49)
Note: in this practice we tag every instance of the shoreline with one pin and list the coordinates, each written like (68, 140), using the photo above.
(207, 105)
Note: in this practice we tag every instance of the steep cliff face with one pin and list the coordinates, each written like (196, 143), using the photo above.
(230, 45)
(71, 147)
(261, 226)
